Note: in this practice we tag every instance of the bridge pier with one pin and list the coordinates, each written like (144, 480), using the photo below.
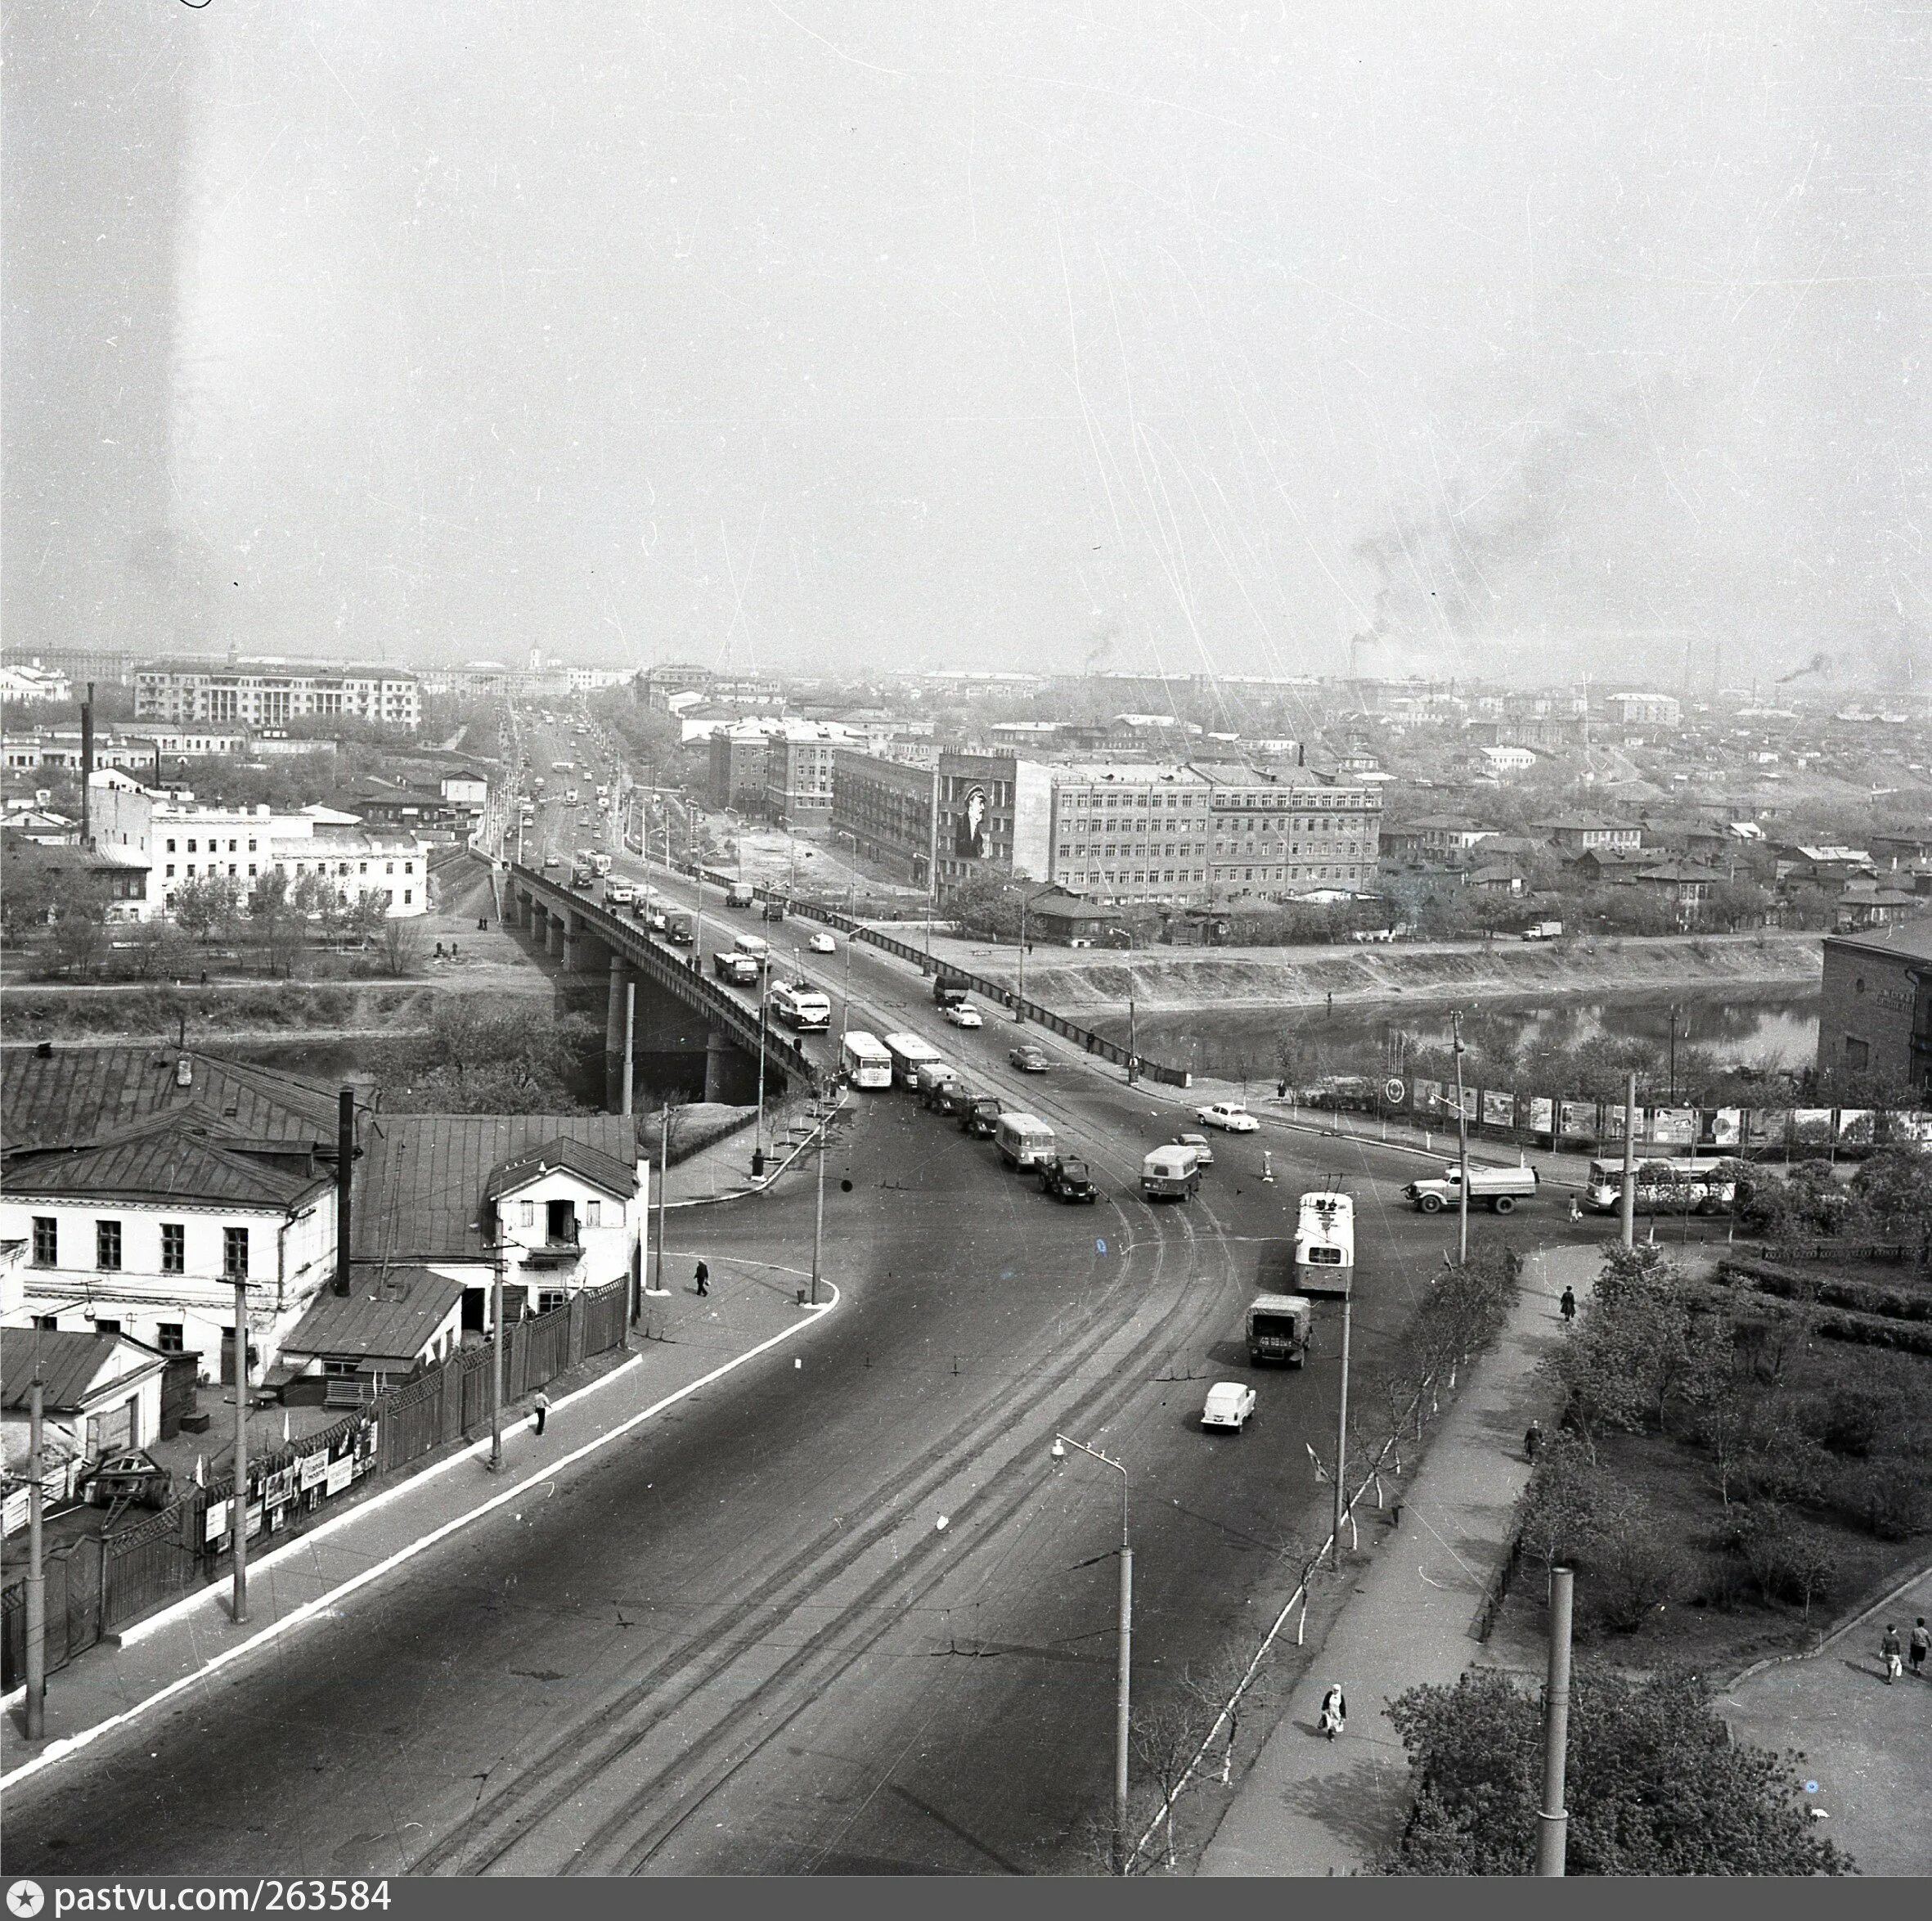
(621, 980)
(553, 933)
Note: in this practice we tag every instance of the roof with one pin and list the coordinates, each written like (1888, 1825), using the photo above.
(575, 1157)
(1680, 871)
(1586, 824)
(80, 1094)
(419, 1188)
(390, 1314)
(167, 1157)
(74, 1367)
(1910, 940)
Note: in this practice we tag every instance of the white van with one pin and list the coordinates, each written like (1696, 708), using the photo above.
(1024, 1141)
(753, 944)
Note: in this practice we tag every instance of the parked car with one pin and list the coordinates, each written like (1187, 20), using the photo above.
(1230, 1115)
(1068, 1179)
(1028, 1058)
(963, 1015)
(1230, 1405)
(823, 943)
(1203, 1153)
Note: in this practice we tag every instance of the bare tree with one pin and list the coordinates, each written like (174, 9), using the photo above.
(400, 946)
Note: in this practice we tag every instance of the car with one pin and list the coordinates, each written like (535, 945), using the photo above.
(1028, 1058)
(551, 861)
(1202, 1152)
(1230, 1404)
(823, 943)
(1230, 1115)
(963, 1016)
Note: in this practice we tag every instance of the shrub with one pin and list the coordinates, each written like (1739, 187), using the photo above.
(1888, 1497)
(1788, 1560)
(1636, 1569)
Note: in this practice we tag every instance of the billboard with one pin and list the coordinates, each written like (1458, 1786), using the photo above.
(1499, 1110)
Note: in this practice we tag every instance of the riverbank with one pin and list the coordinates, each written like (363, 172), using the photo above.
(1077, 983)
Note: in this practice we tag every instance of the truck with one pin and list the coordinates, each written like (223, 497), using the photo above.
(1067, 1177)
(1024, 1141)
(1543, 930)
(740, 969)
(1278, 1327)
(980, 1117)
(1172, 1172)
(677, 929)
(956, 1098)
(929, 1077)
(949, 990)
(739, 894)
(1500, 1187)
(581, 877)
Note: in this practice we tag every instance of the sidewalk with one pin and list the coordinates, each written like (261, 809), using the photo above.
(1868, 1747)
(692, 1341)
(1312, 1806)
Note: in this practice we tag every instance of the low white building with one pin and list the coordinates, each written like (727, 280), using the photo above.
(31, 684)
(100, 1394)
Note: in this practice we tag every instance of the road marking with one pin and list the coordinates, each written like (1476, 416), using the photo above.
(311, 1609)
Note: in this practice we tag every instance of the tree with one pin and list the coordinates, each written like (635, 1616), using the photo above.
(207, 907)
(1655, 1786)
(400, 945)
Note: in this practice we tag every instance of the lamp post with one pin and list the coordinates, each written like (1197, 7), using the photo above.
(1462, 1148)
(1123, 1672)
(1673, 1054)
(818, 1226)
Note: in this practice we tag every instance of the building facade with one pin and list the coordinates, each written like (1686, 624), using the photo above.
(271, 693)
(798, 776)
(1276, 837)
(734, 775)
(995, 815)
(1874, 1014)
(888, 811)
(1644, 710)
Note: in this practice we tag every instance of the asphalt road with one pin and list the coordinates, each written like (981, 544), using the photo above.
(747, 1643)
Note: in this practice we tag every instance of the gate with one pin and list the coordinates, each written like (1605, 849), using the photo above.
(150, 1563)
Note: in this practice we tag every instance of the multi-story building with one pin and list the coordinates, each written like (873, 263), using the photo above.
(34, 684)
(1577, 834)
(888, 811)
(1875, 1013)
(735, 775)
(1644, 710)
(655, 685)
(272, 693)
(798, 773)
(995, 813)
(1280, 836)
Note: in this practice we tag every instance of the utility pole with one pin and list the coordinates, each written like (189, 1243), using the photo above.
(1462, 1148)
(663, 1181)
(496, 1351)
(1553, 1820)
(1019, 1009)
(1673, 1054)
(238, 1513)
(1627, 1205)
(1342, 1432)
(36, 1568)
(818, 1229)
(758, 1131)
(845, 1000)
(1133, 1049)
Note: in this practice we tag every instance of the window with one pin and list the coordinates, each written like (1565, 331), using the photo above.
(550, 1299)
(235, 1253)
(171, 1337)
(107, 1245)
(47, 1241)
(106, 1325)
(175, 1247)
(592, 1210)
(527, 1213)
(171, 850)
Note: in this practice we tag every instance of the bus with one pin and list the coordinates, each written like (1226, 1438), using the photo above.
(1684, 1183)
(908, 1053)
(800, 1005)
(863, 1061)
(1325, 1243)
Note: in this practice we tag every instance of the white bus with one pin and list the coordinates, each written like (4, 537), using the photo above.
(908, 1053)
(1673, 1185)
(1325, 1239)
(800, 1005)
(863, 1061)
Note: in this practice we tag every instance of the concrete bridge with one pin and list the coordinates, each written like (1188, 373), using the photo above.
(680, 1013)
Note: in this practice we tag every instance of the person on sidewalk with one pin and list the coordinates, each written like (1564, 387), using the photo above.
(1567, 1305)
(1576, 1209)
(703, 1279)
(540, 1409)
(1334, 1718)
(1919, 1646)
(1890, 1650)
(1532, 1440)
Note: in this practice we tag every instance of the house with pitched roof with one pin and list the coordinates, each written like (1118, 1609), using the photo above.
(100, 1393)
(392, 1323)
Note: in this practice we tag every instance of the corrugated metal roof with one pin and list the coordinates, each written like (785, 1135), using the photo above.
(168, 1158)
(392, 1314)
(588, 1163)
(420, 1186)
(77, 1094)
(73, 1366)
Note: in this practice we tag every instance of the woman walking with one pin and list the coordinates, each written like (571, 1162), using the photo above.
(1334, 1712)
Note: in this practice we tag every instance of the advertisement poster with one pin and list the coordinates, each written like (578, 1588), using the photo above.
(1499, 1110)
(1767, 1123)
(1428, 1097)
(339, 1475)
(314, 1471)
(1469, 1103)
(1727, 1127)
(1579, 1118)
(1811, 1125)
(1613, 1120)
(1542, 1115)
(1913, 1128)
(1857, 1126)
(1676, 1126)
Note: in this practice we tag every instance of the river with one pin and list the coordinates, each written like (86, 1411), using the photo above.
(1778, 1030)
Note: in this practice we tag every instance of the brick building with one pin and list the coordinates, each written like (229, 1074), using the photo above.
(1875, 1013)
(888, 811)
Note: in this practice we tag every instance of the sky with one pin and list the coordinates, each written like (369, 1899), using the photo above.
(1503, 339)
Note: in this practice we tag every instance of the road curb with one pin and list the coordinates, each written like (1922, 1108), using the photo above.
(1826, 1635)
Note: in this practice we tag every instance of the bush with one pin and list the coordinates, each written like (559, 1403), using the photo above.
(1636, 1569)
(1789, 1560)
(1887, 1497)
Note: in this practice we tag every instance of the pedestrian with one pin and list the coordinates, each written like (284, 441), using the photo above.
(1576, 1209)
(1334, 1719)
(1568, 1304)
(1890, 1649)
(539, 1410)
(1532, 1440)
(1281, 1088)
(1920, 1645)
(703, 1277)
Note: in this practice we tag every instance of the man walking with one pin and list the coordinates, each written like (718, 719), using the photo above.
(1532, 1440)
(702, 1278)
(1568, 1304)
(1919, 1646)
(1889, 1649)
(540, 1411)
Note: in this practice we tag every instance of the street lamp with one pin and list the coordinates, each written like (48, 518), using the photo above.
(1462, 1147)
(1123, 1672)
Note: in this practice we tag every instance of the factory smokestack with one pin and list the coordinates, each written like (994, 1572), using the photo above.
(345, 1161)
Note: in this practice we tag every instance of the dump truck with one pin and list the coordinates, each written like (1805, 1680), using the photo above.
(1278, 1327)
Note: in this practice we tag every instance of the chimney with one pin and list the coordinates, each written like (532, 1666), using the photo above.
(345, 1161)
(87, 767)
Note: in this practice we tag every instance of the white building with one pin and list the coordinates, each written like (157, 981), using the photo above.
(100, 1393)
(272, 693)
(30, 683)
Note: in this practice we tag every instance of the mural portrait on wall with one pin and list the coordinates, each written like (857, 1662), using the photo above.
(969, 826)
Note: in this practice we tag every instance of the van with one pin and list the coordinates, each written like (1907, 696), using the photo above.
(753, 944)
(1172, 1172)
(928, 1077)
(1024, 1141)
(738, 895)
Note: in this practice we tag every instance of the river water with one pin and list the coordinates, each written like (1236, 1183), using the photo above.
(1780, 1030)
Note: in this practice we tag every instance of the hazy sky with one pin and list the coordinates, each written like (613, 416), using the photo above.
(992, 334)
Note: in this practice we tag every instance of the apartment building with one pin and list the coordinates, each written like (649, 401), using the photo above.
(1279, 836)
(269, 694)
(798, 773)
(888, 811)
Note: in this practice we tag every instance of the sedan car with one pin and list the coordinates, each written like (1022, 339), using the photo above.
(1202, 1152)
(963, 1016)
(1230, 1115)
(823, 943)
(1230, 1405)
(1028, 1058)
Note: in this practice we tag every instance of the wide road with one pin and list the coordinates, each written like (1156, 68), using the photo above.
(746, 1643)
